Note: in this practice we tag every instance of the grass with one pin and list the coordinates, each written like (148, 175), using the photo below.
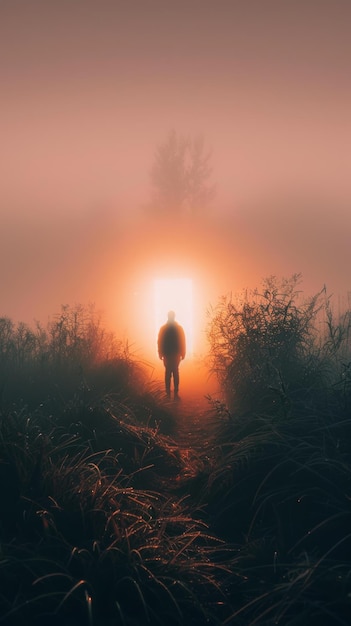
(280, 487)
(78, 532)
(106, 519)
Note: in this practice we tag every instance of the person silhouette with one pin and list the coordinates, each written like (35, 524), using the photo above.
(171, 346)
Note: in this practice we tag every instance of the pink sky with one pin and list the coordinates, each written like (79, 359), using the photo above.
(89, 88)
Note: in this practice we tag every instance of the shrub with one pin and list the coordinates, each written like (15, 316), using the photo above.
(267, 350)
(73, 355)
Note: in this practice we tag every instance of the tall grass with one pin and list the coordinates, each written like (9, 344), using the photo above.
(102, 519)
(87, 530)
(280, 488)
(91, 530)
(272, 349)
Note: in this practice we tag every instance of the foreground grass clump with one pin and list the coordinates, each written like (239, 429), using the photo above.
(280, 491)
(81, 544)
(280, 488)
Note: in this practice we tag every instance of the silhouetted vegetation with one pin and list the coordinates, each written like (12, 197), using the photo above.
(274, 350)
(180, 176)
(280, 489)
(107, 519)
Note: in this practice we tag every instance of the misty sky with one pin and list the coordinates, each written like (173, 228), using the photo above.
(89, 88)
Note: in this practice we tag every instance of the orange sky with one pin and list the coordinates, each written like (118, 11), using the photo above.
(88, 89)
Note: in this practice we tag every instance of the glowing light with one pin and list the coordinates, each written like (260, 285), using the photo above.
(175, 294)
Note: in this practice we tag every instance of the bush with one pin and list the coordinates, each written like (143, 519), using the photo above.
(73, 355)
(269, 353)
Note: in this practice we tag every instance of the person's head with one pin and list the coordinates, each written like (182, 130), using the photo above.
(171, 316)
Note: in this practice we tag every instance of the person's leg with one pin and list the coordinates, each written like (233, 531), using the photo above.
(168, 373)
(176, 375)
(176, 379)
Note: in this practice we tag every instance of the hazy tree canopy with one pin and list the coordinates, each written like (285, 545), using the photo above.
(180, 176)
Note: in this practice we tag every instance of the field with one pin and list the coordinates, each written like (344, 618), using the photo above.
(120, 507)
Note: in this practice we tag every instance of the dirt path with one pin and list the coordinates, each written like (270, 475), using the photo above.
(193, 433)
(192, 413)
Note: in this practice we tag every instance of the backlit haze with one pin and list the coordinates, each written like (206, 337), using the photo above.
(88, 91)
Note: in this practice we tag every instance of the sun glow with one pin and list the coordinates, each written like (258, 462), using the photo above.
(175, 294)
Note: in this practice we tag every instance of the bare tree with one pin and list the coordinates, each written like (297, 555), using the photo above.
(200, 192)
(180, 176)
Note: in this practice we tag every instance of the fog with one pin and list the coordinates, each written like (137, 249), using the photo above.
(88, 91)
